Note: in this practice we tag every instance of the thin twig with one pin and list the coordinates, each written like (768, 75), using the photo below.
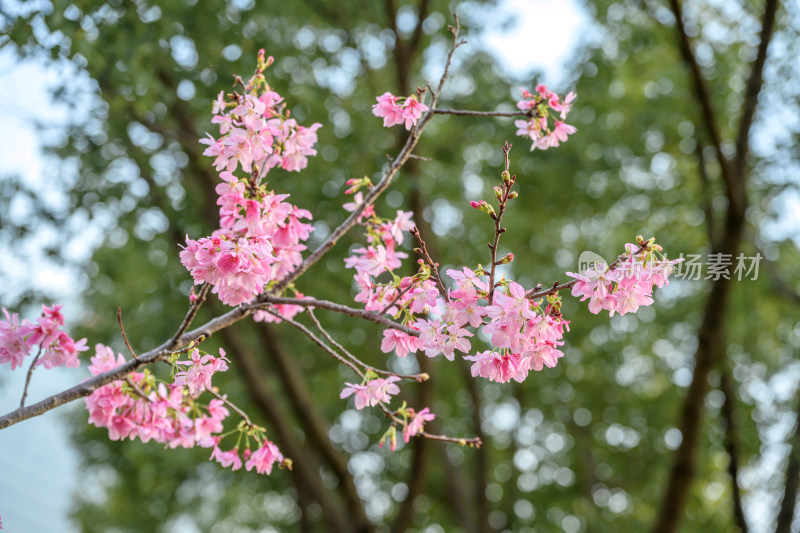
(397, 298)
(124, 335)
(236, 409)
(193, 308)
(28, 377)
(533, 294)
(331, 306)
(423, 250)
(139, 392)
(308, 333)
(416, 377)
(508, 182)
(469, 113)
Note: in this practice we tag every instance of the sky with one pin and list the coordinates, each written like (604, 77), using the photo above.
(39, 468)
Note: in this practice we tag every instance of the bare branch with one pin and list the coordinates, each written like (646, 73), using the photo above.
(732, 446)
(469, 113)
(331, 306)
(226, 401)
(124, 335)
(416, 377)
(29, 376)
(193, 308)
(754, 84)
(316, 340)
(704, 99)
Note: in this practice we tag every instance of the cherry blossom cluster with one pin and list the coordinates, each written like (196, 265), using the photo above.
(524, 330)
(260, 234)
(171, 413)
(398, 110)
(56, 347)
(539, 106)
(256, 131)
(139, 407)
(381, 256)
(413, 424)
(630, 284)
(373, 392)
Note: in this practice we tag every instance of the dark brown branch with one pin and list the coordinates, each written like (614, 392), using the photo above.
(305, 472)
(331, 306)
(28, 377)
(789, 501)
(508, 182)
(423, 251)
(705, 183)
(732, 446)
(187, 320)
(469, 113)
(704, 100)
(302, 402)
(124, 335)
(753, 87)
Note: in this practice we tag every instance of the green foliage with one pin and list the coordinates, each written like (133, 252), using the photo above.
(585, 439)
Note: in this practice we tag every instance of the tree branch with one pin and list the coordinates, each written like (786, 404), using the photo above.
(789, 500)
(732, 446)
(468, 113)
(302, 402)
(754, 84)
(704, 100)
(331, 306)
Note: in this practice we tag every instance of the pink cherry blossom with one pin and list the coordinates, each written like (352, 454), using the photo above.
(401, 343)
(264, 458)
(15, 339)
(416, 423)
(228, 458)
(379, 390)
(197, 377)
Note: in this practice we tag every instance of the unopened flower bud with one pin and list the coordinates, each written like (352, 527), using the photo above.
(506, 259)
(498, 192)
(484, 207)
(513, 194)
(506, 176)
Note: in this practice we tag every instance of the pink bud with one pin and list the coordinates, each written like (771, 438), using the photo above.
(475, 205)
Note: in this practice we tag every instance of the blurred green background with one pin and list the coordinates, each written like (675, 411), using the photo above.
(586, 446)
